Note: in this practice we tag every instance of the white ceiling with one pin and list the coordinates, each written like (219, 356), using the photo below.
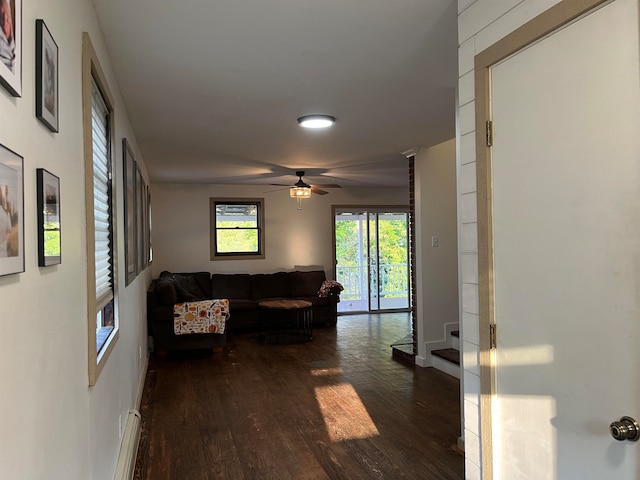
(213, 88)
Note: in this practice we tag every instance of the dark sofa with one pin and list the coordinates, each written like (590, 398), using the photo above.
(162, 294)
(244, 292)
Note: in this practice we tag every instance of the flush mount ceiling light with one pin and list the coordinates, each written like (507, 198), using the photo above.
(316, 121)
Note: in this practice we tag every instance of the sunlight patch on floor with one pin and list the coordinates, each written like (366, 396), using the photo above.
(344, 414)
(325, 372)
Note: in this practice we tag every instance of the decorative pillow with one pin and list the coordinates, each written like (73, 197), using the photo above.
(188, 289)
(306, 284)
(166, 291)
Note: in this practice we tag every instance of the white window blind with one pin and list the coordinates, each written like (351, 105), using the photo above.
(102, 197)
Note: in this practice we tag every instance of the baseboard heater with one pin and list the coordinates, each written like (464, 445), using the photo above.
(129, 447)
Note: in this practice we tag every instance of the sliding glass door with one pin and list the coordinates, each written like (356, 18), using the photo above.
(372, 259)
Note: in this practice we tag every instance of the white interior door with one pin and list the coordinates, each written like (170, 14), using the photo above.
(566, 229)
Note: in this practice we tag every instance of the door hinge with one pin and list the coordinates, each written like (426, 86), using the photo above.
(493, 342)
(489, 133)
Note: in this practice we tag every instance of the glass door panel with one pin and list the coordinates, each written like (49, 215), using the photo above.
(352, 268)
(372, 262)
(374, 273)
(393, 260)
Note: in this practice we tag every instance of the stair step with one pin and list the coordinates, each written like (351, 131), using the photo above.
(403, 355)
(455, 339)
(449, 354)
(402, 351)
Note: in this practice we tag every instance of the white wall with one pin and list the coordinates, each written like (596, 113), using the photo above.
(437, 267)
(293, 237)
(52, 425)
(481, 23)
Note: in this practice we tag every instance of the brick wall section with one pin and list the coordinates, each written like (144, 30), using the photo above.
(412, 251)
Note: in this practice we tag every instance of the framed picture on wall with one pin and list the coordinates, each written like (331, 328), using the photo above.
(46, 77)
(49, 223)
(148, 247)
(130, 237)
(140, 209)
(11, 46)
(11, 212)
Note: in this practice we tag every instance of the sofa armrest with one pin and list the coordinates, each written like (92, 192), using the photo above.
(161, 326)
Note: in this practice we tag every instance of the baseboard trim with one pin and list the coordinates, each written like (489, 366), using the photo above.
(423, 362)
(131, 436)
(129, 447)
(143, 377)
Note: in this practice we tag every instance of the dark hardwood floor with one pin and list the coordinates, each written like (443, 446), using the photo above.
(338, 407)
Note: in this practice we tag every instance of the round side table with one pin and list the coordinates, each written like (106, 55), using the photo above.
(285, 321)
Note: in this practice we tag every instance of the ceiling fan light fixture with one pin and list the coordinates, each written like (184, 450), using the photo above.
(300, 192)
(316, 121)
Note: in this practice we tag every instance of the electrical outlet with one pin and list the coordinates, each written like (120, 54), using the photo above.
(140, 351)
(434, 241)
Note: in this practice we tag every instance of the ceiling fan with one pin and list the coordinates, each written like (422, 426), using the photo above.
(301, 184)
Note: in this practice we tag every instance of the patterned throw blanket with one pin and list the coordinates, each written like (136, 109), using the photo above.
(206, 316)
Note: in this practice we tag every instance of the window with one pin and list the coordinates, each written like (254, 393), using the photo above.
(101, 267)
(102, 216)
(237, 229)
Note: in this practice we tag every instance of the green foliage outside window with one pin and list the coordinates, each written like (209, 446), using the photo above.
(393, 241)
(351, 251)
(237, 229)
(241, 237)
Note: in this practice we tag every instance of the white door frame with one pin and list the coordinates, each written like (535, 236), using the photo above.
(546, 23)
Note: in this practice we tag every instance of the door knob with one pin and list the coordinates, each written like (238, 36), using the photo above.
(625, 429)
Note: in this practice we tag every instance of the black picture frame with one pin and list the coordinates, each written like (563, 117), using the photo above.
(130, 210)
(140, 221)
(47, 104)
(148, 246)
(49, 219)
(11, 65)
(11, 212)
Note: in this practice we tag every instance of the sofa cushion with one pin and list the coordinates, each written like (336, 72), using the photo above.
(165, 291)
(189, 287)
(202, 279)
(242, 304)
(231, 285)
(272, 285)
(306, 284)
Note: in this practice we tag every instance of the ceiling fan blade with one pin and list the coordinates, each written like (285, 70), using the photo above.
(317, 191)
(276, 190)
(328, 185)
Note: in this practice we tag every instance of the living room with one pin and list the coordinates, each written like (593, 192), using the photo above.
(74, 422)
(56, 417)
